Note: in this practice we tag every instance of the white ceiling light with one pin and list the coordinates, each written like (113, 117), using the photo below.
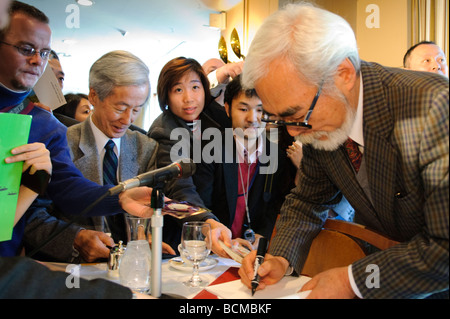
(86, 3)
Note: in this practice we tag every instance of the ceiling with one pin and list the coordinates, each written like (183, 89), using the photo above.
(154, 30)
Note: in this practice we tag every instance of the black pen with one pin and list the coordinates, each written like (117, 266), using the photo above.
(258, 261)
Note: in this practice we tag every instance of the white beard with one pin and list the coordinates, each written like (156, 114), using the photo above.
(333, 139)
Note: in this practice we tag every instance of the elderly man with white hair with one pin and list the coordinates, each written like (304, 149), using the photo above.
(304, 65)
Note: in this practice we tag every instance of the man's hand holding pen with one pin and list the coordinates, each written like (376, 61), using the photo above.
(271, 270)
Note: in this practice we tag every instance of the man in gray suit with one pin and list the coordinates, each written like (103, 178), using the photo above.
(119, 88)
(305, 66)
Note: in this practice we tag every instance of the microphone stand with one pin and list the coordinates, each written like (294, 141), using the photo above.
(157, 203)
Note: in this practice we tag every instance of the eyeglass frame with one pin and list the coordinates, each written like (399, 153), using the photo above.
(32, 52)
(300, 124)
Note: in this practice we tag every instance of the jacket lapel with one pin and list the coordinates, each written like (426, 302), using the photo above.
(230, 173)
(128, 168)
(90, 161)
(380, 155)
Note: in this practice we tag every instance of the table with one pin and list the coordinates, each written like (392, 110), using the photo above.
(172, 279)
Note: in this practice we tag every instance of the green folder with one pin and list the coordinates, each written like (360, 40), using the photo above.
(14, 131)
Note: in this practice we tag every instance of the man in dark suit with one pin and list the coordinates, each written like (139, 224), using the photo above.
(305, 67)
(246, 187)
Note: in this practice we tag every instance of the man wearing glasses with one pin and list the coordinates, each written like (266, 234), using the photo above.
(24, 51)
(304, 65)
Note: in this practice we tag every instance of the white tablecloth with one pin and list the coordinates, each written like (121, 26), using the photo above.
(172, 279)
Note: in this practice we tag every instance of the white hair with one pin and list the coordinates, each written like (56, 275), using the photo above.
(117, 68)
(315, 41)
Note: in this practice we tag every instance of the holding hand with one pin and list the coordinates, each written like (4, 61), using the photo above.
(92, 244)
(34, 155)
(136, 201)
(271, 271)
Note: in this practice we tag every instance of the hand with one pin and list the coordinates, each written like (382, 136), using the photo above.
(295, 154)
(330, 284)
(232, 70)
(219, 231)
(136, 201)
(271, 271)
(35, 155)
(242, 242)
(92, 244)
(166, 249)
(44, 107)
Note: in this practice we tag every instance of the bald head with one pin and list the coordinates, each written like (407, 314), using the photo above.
(212, 65)
(426, 56)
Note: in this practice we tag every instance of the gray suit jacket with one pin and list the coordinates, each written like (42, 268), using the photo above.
(406, 141)
(137, 156)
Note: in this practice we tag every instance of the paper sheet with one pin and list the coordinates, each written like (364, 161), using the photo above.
(48, 91)
(286, 288)
(15, 129)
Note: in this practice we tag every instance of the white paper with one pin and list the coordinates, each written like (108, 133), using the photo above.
(48, 91)
(286, 288)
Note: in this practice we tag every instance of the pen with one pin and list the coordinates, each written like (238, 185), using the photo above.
(258, 261)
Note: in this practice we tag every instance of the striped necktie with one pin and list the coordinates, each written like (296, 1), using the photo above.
(354, 153)
(110, 165)
(116, 223)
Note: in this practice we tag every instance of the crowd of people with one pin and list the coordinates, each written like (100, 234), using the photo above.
(283, 119)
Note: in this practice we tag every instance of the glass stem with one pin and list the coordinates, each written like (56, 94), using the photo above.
(195, 276)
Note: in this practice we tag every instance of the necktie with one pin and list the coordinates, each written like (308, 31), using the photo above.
(110, 164)
(115, 222)
(354, 153)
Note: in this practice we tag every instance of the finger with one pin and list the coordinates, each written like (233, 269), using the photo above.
(218, 250)
(248, 264)
(247, 244)
(225, 237)
(167, 249)
(28, 153)
(264, 269)
(309, 285)
(106, 239)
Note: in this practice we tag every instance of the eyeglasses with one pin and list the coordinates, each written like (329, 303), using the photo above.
(28, 50)
(266, 117)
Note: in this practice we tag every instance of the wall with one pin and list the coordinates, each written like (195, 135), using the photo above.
(246, 17)
(386, 42)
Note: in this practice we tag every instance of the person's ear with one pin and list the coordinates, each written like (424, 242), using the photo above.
(93, 97)
(227, 109)
(346, 76)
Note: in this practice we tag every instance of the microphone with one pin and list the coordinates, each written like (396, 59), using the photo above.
(180, 169)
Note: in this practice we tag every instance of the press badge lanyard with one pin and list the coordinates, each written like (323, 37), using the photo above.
(249, 233)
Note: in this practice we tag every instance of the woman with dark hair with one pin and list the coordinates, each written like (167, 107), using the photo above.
(77, 107)
(184, 98)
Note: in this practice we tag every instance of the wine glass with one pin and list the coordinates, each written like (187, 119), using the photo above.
(195, 247)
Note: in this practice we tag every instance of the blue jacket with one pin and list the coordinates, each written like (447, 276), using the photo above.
(68, 189)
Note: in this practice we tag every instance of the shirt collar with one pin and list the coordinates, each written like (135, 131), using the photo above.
(356, 133)
(101, 139)
(254, 151)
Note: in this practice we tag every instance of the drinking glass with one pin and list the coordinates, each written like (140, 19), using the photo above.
(135, 264)
(195, 247)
